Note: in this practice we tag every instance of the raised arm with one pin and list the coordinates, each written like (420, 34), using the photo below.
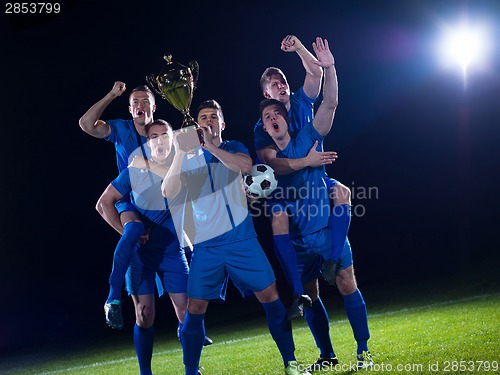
(323, 119)
(314, 73)
(173, 183)
(90, 122)
(106, 207)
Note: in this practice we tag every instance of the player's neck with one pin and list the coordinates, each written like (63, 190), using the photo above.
(141, 129)
(283, 142)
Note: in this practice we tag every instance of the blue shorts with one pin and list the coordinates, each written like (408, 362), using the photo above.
(312, 249)
(124, 204)
(170, 266)
(308, 265)
(244, 261)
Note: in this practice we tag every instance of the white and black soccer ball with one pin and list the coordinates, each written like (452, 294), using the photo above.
(261, 182)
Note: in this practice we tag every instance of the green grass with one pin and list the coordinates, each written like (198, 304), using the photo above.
(416, 329)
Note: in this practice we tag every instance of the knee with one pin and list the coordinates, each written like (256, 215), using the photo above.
(268, 295)
(342, 194)
(346, 281)
(197, 306)
(144, 316)
(280, 223)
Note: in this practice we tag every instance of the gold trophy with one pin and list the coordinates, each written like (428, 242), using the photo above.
(176, 83)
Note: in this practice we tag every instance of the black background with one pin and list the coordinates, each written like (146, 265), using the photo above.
(404, 126)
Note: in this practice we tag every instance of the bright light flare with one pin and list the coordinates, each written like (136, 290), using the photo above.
(464, 47)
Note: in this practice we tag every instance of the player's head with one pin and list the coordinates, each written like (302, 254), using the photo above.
(275, 118)
(274, 85)
(210, 115)
(160, 137)
(142, 105)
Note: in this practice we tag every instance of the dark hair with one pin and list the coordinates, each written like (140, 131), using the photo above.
(268, 73)
(211, 103)
(143, 88)
(268, 102)
(157, 122)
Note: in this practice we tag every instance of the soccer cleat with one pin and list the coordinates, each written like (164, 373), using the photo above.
(113, 313)
(295, 368)
(365, 360)
(330, 270)
(299, 303)
(323, 364)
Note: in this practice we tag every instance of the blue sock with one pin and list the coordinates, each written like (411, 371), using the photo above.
(288, 260)
(339, 222)
(355, 309)
(124, 251)
(317, 320)
(281, 329)
(143, 340)
(193, 336)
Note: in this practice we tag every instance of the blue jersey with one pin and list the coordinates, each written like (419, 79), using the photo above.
(219, 205)
(145, 187)
(125, 138)
(303, 193)
(301, 112)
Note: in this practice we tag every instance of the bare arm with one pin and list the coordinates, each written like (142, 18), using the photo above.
(90, 122)
(314, 72)
(283, 166)
(106, 207)
(173, 182)
(323, 119)
(140, 162)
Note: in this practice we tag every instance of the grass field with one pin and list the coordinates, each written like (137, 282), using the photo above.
(419, 328)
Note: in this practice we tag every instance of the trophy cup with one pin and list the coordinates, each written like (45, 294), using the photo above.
(176, 83)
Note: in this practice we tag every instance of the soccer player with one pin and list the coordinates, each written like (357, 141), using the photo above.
(225, 241)
(310, 213)
(300, 107)
(162, 253)
(128, 137)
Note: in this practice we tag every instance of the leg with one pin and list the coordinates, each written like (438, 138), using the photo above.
(285, 253)
(338, 223)
(179, 301)
(317, 320)
(340, 219)
(355, 308)
(132, 231)
(143, 330)
(279, 327)
(193, 334)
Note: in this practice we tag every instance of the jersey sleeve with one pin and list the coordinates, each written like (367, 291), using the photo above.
(235, 147)
(113, 135)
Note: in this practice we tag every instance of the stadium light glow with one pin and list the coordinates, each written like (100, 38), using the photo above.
(464, 47)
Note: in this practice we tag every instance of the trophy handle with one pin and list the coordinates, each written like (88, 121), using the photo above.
(151, 80)
(195, 69)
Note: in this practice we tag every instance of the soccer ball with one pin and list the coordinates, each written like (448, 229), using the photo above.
(261, 182)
